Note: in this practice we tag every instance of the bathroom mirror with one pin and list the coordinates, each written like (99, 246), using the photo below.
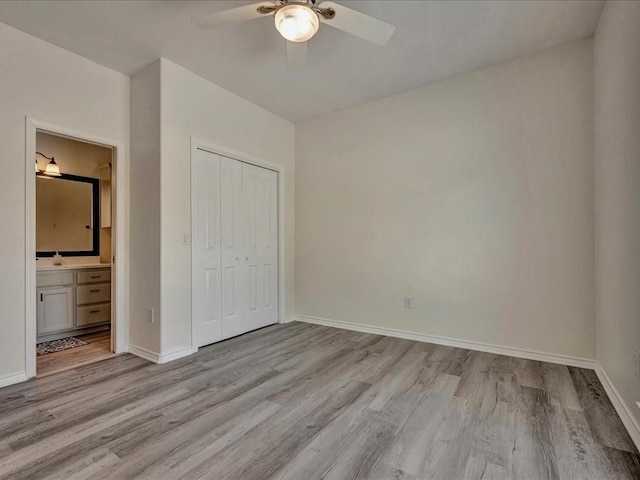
(67, 216)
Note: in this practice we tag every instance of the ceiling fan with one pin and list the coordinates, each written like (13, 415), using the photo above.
(298, 21)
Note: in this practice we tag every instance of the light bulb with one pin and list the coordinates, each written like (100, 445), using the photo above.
(53, 170)
(297, 23)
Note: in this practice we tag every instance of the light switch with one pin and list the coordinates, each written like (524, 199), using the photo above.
(186, 239)
(408, 302)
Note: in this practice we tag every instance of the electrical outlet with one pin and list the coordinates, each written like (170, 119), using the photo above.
(150, 315)
(636, 360)
(408, 302)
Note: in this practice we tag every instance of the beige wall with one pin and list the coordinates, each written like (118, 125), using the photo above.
(58, 87)
(473, 195)
(617, 195)
(74, 158)
(63, 210)
(193, 106)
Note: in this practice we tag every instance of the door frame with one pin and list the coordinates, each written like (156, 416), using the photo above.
(205, 145)
(119, 182)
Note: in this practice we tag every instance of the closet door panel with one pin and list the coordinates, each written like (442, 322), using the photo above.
(260, 189)
(250, 194)
(234, 304)
(207, 303)
(269, 253)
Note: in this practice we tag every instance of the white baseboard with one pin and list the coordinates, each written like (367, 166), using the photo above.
(160, 357)
(288, 319)
(13, 379)
(621, 407)
(144, 353)
(176, 354)
(454, 342)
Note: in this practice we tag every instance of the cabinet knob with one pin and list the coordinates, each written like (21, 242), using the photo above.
(247, 258)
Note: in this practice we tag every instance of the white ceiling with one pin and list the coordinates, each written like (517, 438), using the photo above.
(433, 41)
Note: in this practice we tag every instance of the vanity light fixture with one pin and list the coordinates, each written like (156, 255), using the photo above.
(52, 170)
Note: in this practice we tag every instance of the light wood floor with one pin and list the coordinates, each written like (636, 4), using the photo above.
(304, 402)
(98, 348)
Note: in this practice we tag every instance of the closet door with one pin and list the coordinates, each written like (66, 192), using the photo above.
(234, 269)
(235, 247)
(260, 212)
(206, 251)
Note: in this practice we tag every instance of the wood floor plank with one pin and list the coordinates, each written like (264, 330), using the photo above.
(188, 456)
(577, 452)
(5, 449)
(330, 445)
(622, 465)
(413, 445)
(529, 373)
(24, 462)
(491, 453)
(363, 452)
(308, 402)
(382, 471)
(559, 385)
(100, 400)
(44, 389)
(278, 439)
(606, 426)
(86, 467)
(319, 456)
(533, 453)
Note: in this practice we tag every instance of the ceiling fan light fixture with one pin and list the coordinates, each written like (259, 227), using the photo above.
(296, 22)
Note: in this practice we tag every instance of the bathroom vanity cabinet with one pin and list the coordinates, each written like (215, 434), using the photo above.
(71, 301)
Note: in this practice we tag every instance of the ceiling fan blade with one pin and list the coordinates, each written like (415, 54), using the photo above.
(296, 55)
(232, 16)
(358, 24)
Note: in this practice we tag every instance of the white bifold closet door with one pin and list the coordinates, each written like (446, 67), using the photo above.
(206, 250)
(235, 247)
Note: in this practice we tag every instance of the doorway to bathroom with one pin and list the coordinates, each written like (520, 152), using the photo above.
(73, 236)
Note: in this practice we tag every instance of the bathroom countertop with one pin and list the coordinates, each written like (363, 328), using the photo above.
(51, 268)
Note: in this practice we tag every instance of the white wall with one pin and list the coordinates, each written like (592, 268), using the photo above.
(617, 195)
(194, 106)
(52, 85)
(473, 195)
(145, 208)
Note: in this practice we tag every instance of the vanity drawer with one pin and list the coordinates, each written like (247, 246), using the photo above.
(54, 279)
(93, 294)
(93, 315)
(94, 276)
